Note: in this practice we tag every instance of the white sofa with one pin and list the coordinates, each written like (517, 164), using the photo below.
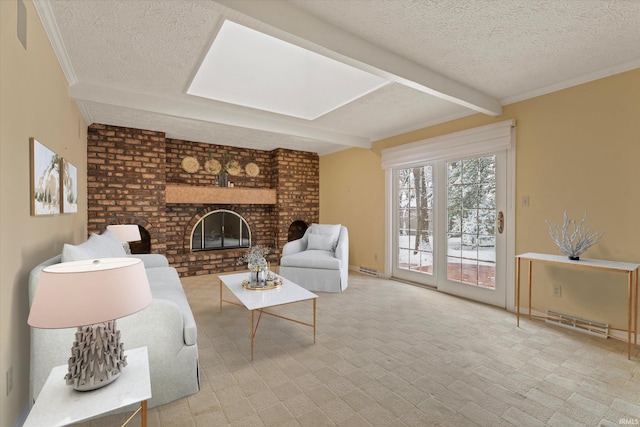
(167, 327)
(319, 261)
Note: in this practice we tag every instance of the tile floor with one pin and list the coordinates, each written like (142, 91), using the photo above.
(392, 354)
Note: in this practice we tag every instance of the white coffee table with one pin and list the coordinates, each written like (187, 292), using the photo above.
(258, 300)
(59, 404)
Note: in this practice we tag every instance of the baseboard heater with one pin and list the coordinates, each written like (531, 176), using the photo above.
(587, 326)
(369, 271)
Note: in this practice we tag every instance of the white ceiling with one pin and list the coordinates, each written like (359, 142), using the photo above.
(129, 63)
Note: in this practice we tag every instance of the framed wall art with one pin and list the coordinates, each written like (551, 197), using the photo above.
(69, 187)
(45, 180)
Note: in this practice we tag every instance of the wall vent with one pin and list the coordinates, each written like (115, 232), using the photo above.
(575, 323)
(369, 271)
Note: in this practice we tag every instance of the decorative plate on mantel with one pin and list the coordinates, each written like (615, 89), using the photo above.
(233, 167)
(213, 166)
(252, 169)
(190, 164)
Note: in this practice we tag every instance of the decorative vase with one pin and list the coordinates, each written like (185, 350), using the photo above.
(253, 277)
(257, 275)
(258, 278)
(257, 265)
(222, 179)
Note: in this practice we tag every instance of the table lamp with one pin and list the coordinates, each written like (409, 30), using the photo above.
(126, 233)
(91, 295)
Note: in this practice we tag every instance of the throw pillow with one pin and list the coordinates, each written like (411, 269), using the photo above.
(87, 250)
(320, 242)
(332, 230)
(112, 244)
(105, 245)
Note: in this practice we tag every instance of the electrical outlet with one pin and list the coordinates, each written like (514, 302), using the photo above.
(557, 290)
(9, 380)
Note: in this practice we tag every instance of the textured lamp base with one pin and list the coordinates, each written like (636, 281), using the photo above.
(97, 357)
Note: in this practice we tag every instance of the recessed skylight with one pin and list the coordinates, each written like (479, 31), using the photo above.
(246, 67)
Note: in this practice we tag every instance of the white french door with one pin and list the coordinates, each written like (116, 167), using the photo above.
(452, 224)
(473, 236)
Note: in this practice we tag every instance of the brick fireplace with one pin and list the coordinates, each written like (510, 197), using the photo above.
(136, 177)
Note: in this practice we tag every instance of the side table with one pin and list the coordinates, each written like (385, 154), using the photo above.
(59, 404)
(630, 269)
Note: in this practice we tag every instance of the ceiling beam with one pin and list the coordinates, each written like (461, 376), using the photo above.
(207, 111)
(317, 35)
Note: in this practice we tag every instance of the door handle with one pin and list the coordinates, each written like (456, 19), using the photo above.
(500, 222)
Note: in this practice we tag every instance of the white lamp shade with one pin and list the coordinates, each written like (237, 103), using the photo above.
(86, 292)
(125, 232)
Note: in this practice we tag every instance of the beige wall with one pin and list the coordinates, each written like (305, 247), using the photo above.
(34, 102)
(352, 194)
(577, 149)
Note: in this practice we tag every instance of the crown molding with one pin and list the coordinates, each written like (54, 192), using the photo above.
(44, 11)
(585, 78)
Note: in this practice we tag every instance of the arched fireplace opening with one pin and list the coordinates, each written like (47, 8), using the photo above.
(296, 230)
(220, 229)
(143, 246)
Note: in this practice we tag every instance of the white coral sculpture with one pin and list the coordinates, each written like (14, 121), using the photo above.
(574, 237)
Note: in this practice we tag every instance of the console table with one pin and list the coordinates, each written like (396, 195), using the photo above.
(631, 270)
(58, 404)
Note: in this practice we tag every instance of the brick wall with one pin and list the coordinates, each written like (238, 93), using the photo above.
(296, 176)
(129, 168)
(126, 180)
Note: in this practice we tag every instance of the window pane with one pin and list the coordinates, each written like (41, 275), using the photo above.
(415, 229)
(471, 221)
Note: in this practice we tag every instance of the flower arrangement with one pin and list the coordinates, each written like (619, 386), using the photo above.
(573, 238)
(255, 257)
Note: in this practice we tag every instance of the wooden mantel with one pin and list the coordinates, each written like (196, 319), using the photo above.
(220, 195)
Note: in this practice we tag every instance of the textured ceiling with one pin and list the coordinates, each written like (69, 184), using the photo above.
(129, 62)
(501, 47)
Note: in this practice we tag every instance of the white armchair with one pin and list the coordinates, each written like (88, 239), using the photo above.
(319, 261)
